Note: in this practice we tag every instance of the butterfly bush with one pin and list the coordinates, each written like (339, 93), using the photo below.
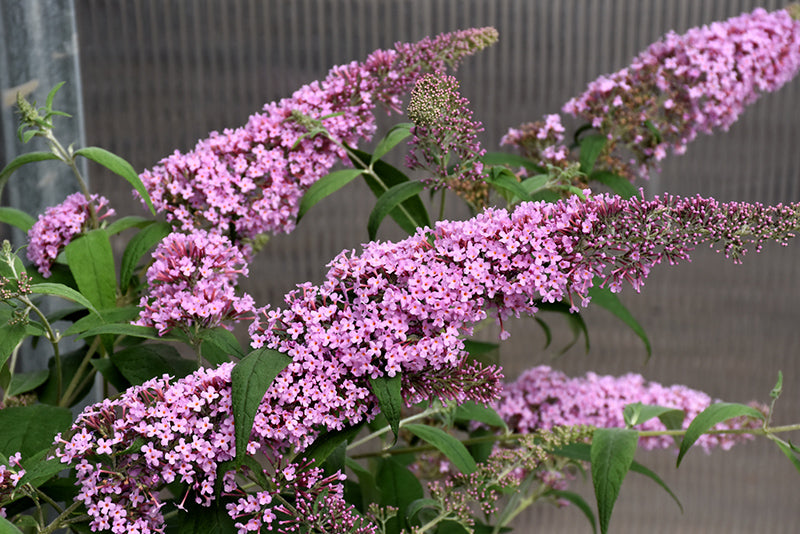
(60, 224)
(543, 398)
(249, 180)
(682, 85)
(445, 139)
(192, 283)
(394, 309)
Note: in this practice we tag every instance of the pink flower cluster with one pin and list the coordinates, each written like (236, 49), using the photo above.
(540, 141)
(395, 308)
(445, 138)
(10, 475)
(683, 85)
(192, 283)
(542, 398)
(249, 180)
(59, 225)
(126, 450)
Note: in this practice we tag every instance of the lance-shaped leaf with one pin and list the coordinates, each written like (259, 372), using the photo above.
(390, 200)
(328, 442)
(16, 218)
(21, 160)
(91, 261)
(399, 488)
(619, 185)
(579, 502)
(637, 413)
(714, 414)
(448, 445)
(124, 223)
(30, 429)
(591, 147)
(327, 185)
(60, 290)
(603, 297)
(224, 340)
(411, 213)
(250, 379)
(491, 159)
(119, 166)
(396, 134)
(390, 400)
(137, 247)
(472, 411)
(611, 455)
(143, 362)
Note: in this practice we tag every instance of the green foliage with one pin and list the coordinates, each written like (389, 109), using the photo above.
(250, 379)
(387, 390)
(324, 187)
(452, 448)
(705, 420)
(612, 454)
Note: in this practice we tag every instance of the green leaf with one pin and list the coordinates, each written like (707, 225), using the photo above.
(328, 442)
(637, 413)
(505, 180)
(535, 183)
(776, 391)
(578, 501)
(472, 411)
(51, 96)
(451, 447)
(223, 340)
(39, 470)
(19, 161)
(396, 134)
(250, 379)
(791, 453)
(60, 290)
(619, 185)
(141, 363)
(92, 264)
(16, 218)
(636, 467)
(548, 334)
(120, 225)
(705, 420)
(118, 166)
(574, 321)
(612, 453)
(603, 297)
(390, 200)
(398, 488)
(491, 159)
(30, 429)
(7, 527)
(110, 372)
(591, 147)
(125, 315)
(10, 337)
(484, 352)
(145, 332)
(366, 481)
(390, 400)
(418, 505)
(327, 185)
(411, 213)
(25, 382)
(212, 519)
(137, 247)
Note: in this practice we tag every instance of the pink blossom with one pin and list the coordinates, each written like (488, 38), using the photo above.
(542, 398)
(192, 283)
(59, 225)
(249, 180)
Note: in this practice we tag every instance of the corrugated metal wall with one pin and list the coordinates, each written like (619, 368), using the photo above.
(159, 74)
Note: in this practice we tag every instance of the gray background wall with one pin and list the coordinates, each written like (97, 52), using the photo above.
(159, 74)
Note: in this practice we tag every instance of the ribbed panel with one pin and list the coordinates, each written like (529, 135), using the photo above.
(161, 74)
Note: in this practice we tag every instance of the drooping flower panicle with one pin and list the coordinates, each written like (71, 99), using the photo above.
(59, 225)
(683, 85)
(248, 181)
(543, 398)
(192, 283)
